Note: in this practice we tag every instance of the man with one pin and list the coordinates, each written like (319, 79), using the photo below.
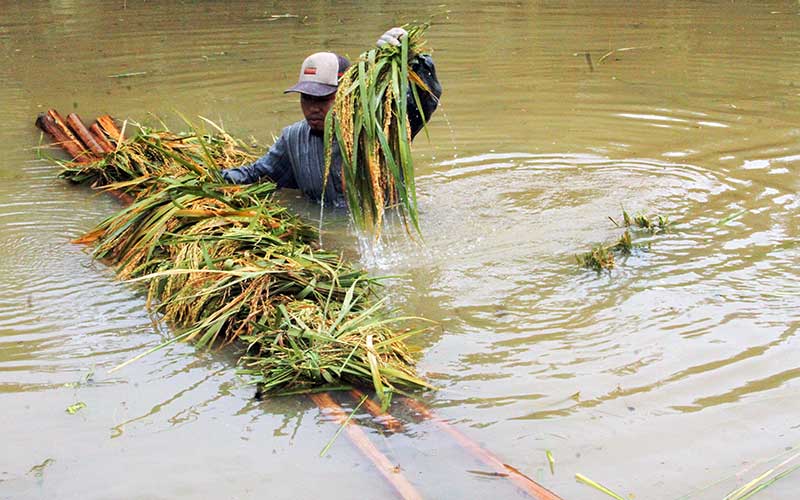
(297, 159)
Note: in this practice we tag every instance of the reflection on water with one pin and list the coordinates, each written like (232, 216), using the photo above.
(669, 375)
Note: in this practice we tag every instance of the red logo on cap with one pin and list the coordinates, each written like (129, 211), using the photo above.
(310, 71)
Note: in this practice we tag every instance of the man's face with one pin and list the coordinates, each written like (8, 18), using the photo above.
(315, 109)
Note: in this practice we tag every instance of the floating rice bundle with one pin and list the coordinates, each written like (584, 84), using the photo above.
(228, 263)
(601, 256)
(369, 120)
(160, 154)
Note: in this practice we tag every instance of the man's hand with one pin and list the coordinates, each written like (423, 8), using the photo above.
(392, 37)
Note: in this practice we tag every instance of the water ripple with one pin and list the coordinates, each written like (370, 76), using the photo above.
(500, 270)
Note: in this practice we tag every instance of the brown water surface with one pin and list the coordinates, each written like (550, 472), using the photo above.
(674, 375)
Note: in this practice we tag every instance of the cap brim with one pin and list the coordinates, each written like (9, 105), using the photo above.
(312, 88)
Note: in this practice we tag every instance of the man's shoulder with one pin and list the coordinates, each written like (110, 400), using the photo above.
(296, 130)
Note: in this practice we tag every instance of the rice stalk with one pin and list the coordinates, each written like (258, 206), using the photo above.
(551, 461)
(369, 123)
(598, 258)
(342, 427)
(764, 480)
(599, 487)
(602, 256)
(652, 224)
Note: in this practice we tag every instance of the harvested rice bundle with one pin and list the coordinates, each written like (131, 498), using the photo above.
(228, 263)
(370, 122)
(305, 345)
(153, 154)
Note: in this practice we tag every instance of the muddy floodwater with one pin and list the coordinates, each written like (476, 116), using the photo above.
(675, 375)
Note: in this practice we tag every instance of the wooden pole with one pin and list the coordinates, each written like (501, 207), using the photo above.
(77, 126)
(109, 127)
(61, 124)
(52, 123)
(100, 137)
(523, 482)
(374, 409)
(75, 149)
(124, 198)
(357, 436)
(520, 480)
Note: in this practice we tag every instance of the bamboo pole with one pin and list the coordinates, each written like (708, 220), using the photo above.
(109, 127)
(386, 419)
(357, 436)
(48, 123)
(52, 123)
(523, 482)
(520, 480)
(61, 124)
(77, 126)
(100, 137)
(124, 198)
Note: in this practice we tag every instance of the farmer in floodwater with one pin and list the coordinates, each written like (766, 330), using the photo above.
(297, 159)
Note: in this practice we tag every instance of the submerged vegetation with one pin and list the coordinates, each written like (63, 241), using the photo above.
(227, 263)
(602, 256)
(654, 224)
(369, 121)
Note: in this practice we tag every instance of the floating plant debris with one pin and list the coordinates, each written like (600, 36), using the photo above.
(75, 408)
(602, 256)
(599, 487)
(653, 224)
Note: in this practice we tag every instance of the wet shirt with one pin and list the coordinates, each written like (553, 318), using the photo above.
(297, 159)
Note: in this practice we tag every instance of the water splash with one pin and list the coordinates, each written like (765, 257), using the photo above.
(383, 253)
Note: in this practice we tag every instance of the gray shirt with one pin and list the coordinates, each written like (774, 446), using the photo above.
(296, 160)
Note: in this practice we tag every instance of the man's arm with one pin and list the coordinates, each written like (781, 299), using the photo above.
(274, 165)
(424, 67)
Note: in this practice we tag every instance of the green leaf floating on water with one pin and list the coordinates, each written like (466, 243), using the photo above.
(38, 470)
(73, 409)
(585, 480)
(730, 217)
(551, 461)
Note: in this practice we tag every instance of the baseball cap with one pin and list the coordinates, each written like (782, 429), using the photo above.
(320, 73)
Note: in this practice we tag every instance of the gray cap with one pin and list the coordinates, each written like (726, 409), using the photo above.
(320, 73)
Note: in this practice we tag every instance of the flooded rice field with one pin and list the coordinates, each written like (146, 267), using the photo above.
(674, 375)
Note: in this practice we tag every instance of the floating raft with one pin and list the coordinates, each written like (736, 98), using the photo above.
(287, 303)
